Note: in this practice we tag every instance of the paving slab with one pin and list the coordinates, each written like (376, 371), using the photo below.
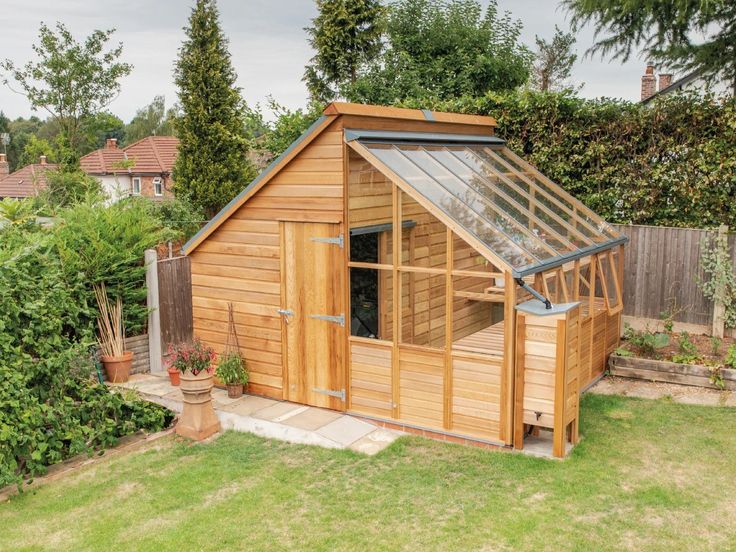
(156, 388)
(346, 430)
(541, 445)
(277, 410)
(249, 404)
(312, 419)
(375, 442)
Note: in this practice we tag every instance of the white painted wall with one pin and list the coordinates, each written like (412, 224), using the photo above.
(116, 187)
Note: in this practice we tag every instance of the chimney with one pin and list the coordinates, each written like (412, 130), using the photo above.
(648, 83)
(665, 79)
(4, 166)
(43, 159)
(111, 143)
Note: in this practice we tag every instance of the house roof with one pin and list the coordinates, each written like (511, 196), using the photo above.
(675, 86)
(151, 155)
(26, 181)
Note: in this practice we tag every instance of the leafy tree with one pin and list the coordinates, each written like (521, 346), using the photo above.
(287, 126)
(65, 188)
(34, 149)
(669, 32)
(212, 166)
(70, 80)
(444, 49)
(151, 120)
(97, 128)
(554, 61)
(345, 36)
(20, 131)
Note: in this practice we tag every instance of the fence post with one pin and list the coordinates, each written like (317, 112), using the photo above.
(154, 317)
(719, 309)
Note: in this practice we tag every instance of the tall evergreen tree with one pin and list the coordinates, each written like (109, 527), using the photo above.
(212, 166)
(345, 35)
(553, 65)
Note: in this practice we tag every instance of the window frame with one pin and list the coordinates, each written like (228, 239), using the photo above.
(133, 190)
(158, 186)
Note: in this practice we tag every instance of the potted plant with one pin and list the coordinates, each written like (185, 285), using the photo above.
(232, 372)
(195, 363)
(172, 370)
(111, 337)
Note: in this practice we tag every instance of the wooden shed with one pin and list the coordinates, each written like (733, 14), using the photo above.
(407, 267)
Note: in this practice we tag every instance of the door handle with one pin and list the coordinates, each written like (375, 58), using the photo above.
(286, 313)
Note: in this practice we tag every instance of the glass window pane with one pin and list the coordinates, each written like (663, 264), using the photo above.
(487, 232)
(465, 257)
(423, 309)
(371, 303)
(424, 240)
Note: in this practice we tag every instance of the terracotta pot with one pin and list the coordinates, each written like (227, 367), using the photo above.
(234, 390)
(198, 420)
(174, 375)
(117, 369)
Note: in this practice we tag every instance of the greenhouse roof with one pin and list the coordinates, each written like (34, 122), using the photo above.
(482, 188)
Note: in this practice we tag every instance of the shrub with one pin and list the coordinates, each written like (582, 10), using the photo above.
(195, 357)
(731, 357)
(231, 369)
(646, 342)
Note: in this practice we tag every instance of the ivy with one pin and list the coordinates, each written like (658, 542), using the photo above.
(720, 284)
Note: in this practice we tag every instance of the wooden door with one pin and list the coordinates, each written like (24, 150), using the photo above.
(314, 314)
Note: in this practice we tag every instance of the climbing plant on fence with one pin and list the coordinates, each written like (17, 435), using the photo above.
(671, 162)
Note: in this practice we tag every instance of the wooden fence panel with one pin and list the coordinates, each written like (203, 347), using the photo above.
(661, 272)
(175, 300)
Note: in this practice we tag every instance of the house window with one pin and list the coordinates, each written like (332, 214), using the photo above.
(136, 186)
(158, 188)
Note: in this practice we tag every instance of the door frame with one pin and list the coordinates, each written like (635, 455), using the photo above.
(341, 343)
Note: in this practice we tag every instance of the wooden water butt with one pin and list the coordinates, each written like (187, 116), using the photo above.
(547, 389)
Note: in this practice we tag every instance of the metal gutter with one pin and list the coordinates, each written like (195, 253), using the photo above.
(375, 228)
(559, 261)
(421, 137)
(263, 174)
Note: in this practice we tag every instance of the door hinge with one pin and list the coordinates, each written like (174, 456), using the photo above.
(340, 319)
(339, 240)
(339, 394)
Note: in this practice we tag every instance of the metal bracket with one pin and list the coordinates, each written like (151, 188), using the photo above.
(522, 284)
(339, 394)
(285, 312)
(339, 240)
(340, 319)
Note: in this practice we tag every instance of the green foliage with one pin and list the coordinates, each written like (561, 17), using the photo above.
(720, 285)
(554, 61)
(65, 188)
(16, 211)
(646, 342)
(151, 120)
(212, 166)
(71, 80)
(665, 32)
(622, 351)
(437, 49)
(287, 126)
(687, 350)
(50, 407)
(182, 218)
(33, 150)
(346, 35)
(97, 128)
(730, 360)
(715, 345)
(669, 163)
(231, 369)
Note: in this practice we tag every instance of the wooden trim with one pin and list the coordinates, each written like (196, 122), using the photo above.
(396, 303)
(364, 110)
(473, 274)
(506, 425)
(449, 313)
(256, 185)
(576, 281)
(475, 243)
(559, 433)
(369, 341)
(518, 440)
(284, 329)
(345, 227)
(373, 266)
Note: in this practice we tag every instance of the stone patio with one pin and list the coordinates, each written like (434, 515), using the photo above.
(283, 420)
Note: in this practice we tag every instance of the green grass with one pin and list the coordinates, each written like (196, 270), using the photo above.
(648, 475)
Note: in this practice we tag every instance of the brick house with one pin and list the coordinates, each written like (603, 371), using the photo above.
(140, 169)
(26, 181)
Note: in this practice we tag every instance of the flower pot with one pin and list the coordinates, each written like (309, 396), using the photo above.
(117, 369)
(174, 375)
(234, 390)
(198, 420)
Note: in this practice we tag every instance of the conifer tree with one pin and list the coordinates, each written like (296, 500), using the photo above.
(212, 166)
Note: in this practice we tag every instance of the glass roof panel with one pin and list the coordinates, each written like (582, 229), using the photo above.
(521, 216)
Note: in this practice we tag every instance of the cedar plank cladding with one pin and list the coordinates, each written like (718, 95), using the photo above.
(308, 189)
(240, 263)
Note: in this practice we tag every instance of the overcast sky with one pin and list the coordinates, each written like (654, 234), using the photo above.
(267, 42)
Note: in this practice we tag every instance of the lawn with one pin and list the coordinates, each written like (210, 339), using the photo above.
(648, 475)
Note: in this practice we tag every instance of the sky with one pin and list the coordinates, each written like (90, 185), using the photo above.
(267, 42)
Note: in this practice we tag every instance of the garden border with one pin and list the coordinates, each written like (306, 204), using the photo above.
(670, 372)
